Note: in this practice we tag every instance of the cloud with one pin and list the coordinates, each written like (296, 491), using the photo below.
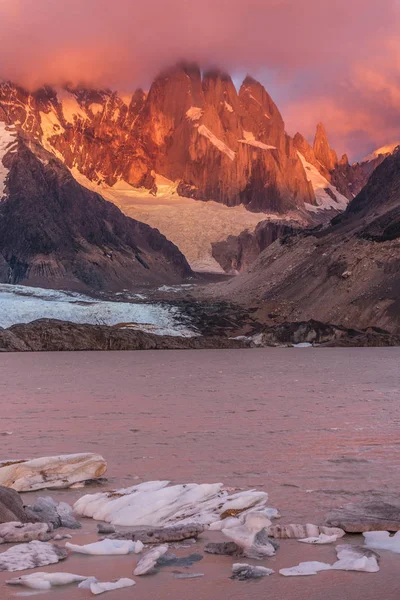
(324, 58)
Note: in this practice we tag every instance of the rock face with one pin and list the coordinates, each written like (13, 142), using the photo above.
(368, 516)
(322, 150)
(236, 253)
(52, 472)
(55, 233)
(347, 273)
(194, 129)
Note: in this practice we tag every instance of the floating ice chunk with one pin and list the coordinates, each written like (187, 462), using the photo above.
(31, 556)
(382, 540)
(45, 581)
(107, 547)
(15, 532)
(188, 575)
(243, 572)
(159, 535)
(296, 531)
(356, 558)
(52, 472)
(305, 568)
(321, 539)
(101, 587)
(85, 585)
(350, 558)
(149, 560)
(156, 504)
(250, 534)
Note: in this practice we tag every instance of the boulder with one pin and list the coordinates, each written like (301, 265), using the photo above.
(367, 516)
(12, 509)
(58, 514)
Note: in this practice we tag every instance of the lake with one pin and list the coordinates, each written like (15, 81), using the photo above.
(315, 428)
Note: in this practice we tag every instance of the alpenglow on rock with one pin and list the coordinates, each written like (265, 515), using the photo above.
(52, 472)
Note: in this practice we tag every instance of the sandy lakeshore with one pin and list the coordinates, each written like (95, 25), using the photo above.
(315, 428)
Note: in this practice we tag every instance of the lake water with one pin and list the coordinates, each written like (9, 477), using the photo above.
(315, 428)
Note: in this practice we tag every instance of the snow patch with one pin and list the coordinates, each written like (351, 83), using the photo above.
(388, 149)
(96, 108)
(70, 106)
(251, 141)
(228, 107)
(194, 113)
(326, 195)
(23, 304)
(8, 143)
(222, 147)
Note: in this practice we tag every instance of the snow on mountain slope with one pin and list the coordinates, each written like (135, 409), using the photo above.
(23, 304)
(326, 194)
(388, 149)
(192, 225)
(7, 144)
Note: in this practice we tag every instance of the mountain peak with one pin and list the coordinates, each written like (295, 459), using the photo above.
(322, 150)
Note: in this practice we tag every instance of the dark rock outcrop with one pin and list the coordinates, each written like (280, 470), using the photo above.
(55, 233)
(374, 515)
(236, 253)
(12, 508)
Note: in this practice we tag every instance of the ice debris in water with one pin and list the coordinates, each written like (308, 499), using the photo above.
(249, 532)
(100, 587)
(31, 556)
(147, 563)
(350, 558)
(52, 472)
(15, 532)
(107, 547)
(296, 531)
(155, 535)
(382, 540)
(321, 539)
(45, 581)
(243, 572)
(157, 504)
(188, 575)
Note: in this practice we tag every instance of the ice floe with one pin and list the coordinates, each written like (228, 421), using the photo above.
(296, 531)
(250, 534)
(107, 547)
(382, 540)
(243, 572)
(31, 556)
(175, 533)
(15, 532)
(350, 558)
(52, 472)
(100, 587)
(321, 539)
(157, 504)
(147, 563)
(45, 581)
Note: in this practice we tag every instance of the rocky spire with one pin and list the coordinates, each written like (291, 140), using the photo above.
(322, 150)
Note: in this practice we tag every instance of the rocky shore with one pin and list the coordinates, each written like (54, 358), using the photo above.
(51, 335)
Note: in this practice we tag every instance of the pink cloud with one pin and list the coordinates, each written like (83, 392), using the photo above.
(340, 47)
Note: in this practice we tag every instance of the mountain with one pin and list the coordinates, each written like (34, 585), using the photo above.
(56, 233)
(197, 130)
(347, 273)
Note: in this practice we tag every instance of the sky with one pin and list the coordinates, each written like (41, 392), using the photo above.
(335, 61)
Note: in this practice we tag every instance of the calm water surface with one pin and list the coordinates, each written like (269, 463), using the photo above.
(315, 428)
